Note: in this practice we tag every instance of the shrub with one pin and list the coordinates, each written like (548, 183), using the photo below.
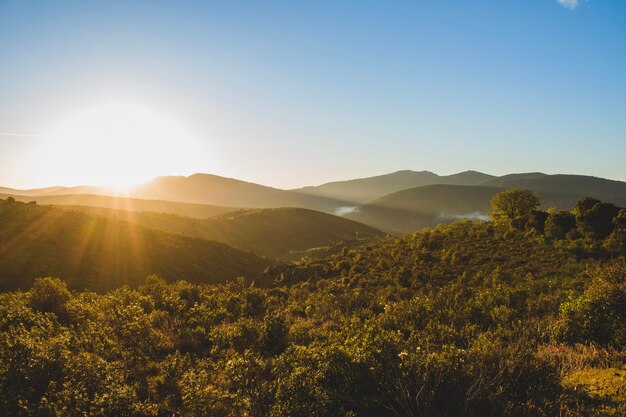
(49, 295)
(599, 314)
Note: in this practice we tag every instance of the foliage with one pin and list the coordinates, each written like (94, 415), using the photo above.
(599, 314)
(468, 319)
(513, 204)
(597, 221)
(559, 224)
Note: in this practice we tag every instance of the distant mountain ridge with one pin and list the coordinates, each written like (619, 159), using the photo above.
(200, 211)
(392, 202)
(601, 188)
(363, 190)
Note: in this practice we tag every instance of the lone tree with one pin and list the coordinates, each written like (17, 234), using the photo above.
(513, 205)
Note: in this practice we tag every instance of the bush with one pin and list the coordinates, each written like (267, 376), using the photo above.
(559, 224)
(50, 295)
(599, 314)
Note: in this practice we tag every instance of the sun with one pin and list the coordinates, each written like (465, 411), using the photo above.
(117, 144)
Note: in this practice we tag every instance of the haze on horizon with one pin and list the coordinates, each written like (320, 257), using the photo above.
(290, 94)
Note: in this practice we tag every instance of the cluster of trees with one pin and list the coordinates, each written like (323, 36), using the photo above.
(454, 321)
(591, 222)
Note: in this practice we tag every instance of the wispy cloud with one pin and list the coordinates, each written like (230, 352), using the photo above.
(570, 4)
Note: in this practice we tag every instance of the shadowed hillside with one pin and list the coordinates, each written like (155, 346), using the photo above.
(100, 253)
(213, 189)
(363, 190)
(412, 209)
(420, 207)
(578, 185)
(273, 233)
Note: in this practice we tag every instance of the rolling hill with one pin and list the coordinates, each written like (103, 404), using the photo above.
(575, 185)
(58, 190)
(125, 203)
(198, 189)
(416, 208)
(399, 202)
(409, 210)
(221, 191)
(272, 233)
(363, 190)
(101, 253)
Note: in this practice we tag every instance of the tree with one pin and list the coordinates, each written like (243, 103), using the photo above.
(513, 204)
(599, 314)
(583, 205)
(49, 295)
(616, 242)
(559, 224)
(597, 222)
(537, 220)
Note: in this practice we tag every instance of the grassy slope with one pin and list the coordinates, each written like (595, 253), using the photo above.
(101, 253)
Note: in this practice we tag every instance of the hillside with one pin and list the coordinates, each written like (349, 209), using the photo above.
(578, 185)
(58, 190)
(100, 253)
(409, 210)
(272, 233)
(200, 211)
(417, 208)
(221, 191)
(363, 190)
(465, 320)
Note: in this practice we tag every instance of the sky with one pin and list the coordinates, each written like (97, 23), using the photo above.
(294, 93)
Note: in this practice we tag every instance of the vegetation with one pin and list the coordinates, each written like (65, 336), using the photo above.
(514, 204)
(455, 321)
(468, 319)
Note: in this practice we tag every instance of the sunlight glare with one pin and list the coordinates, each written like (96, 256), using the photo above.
(117, 144)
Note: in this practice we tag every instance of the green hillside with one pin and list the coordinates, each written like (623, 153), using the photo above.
(100, 253)
(272, 233)
(465, 320)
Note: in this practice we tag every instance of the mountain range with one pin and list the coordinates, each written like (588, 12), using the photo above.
(398, 202)
(206, 228)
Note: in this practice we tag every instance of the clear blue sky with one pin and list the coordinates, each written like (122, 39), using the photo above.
(294, 93)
